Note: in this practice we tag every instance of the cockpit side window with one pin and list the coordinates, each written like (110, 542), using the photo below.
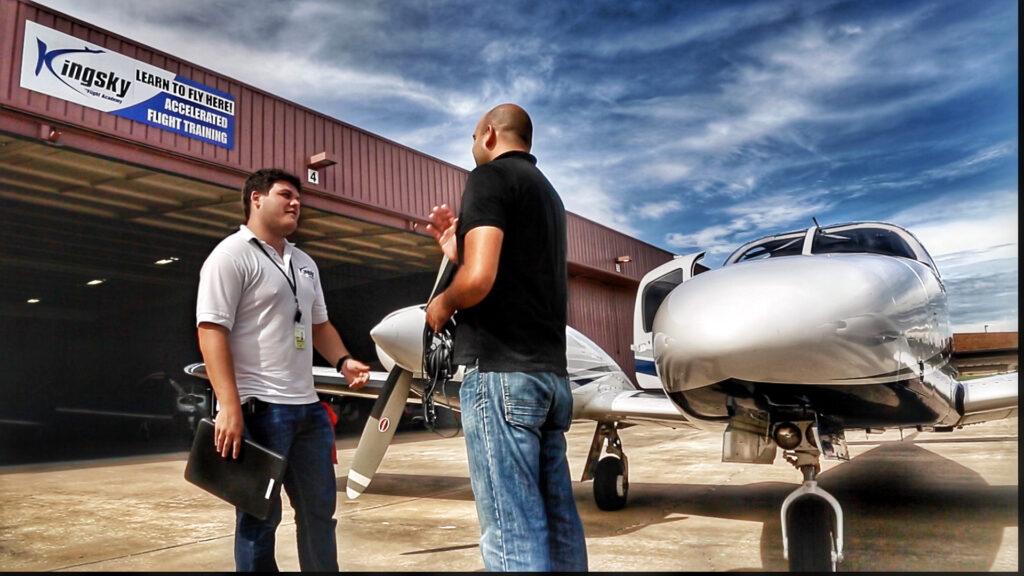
(774, 249)
(861, 240)
(655, 293)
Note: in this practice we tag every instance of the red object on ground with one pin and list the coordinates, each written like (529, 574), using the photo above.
(334, 422)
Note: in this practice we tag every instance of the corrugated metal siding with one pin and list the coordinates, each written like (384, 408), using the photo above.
(604, 312)
(967, 342)
(596, 246)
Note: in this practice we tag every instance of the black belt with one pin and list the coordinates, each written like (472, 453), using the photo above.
(254, 406)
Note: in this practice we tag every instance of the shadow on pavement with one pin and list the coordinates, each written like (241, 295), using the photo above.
(905, 507)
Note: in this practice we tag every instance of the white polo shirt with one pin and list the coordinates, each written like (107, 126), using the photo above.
(244, 290)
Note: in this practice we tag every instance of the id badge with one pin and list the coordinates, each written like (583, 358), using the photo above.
(300, 337)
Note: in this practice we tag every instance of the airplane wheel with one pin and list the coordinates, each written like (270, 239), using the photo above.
(810, 535)
(610, 484)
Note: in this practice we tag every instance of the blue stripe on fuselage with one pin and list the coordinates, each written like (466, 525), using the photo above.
(644, 367)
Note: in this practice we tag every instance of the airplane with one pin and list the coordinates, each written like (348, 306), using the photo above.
(153, 403)
(796, 338)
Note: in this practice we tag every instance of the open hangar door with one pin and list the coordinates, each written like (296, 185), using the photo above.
(99, 267)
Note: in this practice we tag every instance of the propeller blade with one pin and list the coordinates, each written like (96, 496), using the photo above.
(379, 429)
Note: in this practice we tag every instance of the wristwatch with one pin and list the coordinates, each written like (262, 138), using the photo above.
(341, 362)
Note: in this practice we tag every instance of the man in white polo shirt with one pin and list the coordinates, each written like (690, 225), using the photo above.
(260, 313)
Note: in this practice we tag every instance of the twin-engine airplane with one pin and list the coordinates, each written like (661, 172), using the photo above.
(797, 338)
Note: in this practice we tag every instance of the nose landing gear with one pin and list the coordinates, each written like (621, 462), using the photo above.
(812, 520)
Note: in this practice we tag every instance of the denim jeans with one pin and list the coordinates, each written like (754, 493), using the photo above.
(303, 434)
(515, 424)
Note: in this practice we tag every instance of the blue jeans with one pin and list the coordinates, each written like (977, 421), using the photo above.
(515, 424)
(303, 434)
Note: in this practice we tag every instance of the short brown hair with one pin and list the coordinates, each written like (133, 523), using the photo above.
(262, 181)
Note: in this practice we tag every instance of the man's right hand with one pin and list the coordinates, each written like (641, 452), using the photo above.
(228, 431)
(442, 228)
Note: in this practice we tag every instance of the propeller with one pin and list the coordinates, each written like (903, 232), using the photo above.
(378, 431)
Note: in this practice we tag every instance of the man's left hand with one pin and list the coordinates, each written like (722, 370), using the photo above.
(438, 312)
(356, 373)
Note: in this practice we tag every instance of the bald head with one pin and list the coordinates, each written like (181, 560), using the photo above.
(505, 127)
(511, 120)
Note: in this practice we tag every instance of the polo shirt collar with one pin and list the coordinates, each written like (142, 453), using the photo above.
(248, 235)
(519, 154)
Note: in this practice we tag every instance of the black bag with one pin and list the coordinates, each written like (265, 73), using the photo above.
(250, 483)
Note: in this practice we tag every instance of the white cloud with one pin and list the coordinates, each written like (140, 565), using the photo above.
(284, 68)
(974, 163)
(750, 219)
(984, 293)
(957, 235)
(666, 172)
(973, 240)
(585, 194)
(656, 210)
(683, 30)
(1005, 324)
(961, 263)
(957, 223)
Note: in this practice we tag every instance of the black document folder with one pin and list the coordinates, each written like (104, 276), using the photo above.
(251, 482)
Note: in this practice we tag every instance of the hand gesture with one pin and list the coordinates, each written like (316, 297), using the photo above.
(356, 373)
(442, 228)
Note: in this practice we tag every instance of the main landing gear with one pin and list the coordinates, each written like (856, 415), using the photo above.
(812, 520)
(610, 473)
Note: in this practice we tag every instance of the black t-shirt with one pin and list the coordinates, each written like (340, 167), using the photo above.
(520, 325)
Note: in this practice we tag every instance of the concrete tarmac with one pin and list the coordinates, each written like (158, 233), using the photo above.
(932, 502)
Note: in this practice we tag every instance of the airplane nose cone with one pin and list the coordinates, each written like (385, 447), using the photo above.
(797, 319)
(400, 337)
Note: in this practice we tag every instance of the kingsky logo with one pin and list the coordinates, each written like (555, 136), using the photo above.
(84, 75)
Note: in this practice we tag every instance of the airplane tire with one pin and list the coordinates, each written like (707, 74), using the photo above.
(810, 535)
(610, 484)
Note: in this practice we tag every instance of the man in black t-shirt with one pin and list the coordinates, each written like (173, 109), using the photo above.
(510, 290)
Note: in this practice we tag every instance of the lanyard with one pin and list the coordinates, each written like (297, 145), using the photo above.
(291, 281)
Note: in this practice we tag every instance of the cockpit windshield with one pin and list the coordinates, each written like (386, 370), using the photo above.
(854, 238)
(861, 240)
(789, 246)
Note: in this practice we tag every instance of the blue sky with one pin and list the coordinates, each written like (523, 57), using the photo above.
(690, 125)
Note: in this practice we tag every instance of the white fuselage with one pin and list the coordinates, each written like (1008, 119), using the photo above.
(864, 322)
(399, 340)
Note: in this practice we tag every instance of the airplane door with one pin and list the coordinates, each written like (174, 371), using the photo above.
(654, 288)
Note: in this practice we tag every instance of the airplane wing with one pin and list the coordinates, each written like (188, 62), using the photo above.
(989, 398)
(607, 402)
(326, 381)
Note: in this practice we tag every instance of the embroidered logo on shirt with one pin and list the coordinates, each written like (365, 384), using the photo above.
(306, 272)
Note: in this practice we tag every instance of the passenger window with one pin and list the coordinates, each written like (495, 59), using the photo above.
(656, 292)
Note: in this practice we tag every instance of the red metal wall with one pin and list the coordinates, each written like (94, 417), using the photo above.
(968, 342)
(593, 249)
(604, 312)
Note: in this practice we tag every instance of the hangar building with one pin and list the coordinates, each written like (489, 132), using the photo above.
(120, 168)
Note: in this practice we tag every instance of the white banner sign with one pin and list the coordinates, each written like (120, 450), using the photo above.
(72, 69)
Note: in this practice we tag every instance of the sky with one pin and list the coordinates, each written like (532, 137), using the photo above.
(689, 125)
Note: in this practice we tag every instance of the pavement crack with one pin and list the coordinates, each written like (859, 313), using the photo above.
(152, 550)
